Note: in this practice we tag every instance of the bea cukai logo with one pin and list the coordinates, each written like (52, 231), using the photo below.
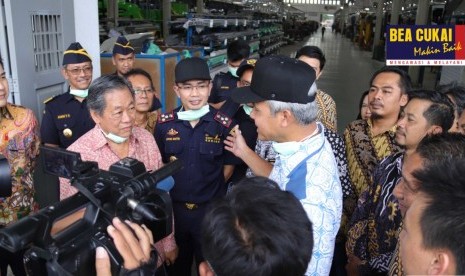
(426, 42)
(443, 35)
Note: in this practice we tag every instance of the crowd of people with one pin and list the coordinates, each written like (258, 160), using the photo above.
(268, 186)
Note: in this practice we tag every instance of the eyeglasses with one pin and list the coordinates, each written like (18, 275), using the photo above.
(190, 88)
(77, 71)
(146, 91)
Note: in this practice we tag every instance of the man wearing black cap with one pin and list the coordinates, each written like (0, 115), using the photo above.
(123, 56)
(66, 117)
(285, 112)
(193, 133)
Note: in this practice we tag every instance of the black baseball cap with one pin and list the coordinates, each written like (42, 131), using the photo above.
(193, 68)
(246, 64)
(75, 54)
(122, 46)
(278, 78)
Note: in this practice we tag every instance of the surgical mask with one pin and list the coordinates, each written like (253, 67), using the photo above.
(247, 109)
(286, 148)
(115, 138)
(79, 93)
(192, 115)
(233, 71)
(289, 148)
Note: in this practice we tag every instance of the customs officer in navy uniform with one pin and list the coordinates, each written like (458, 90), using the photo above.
(223, 83)
(66, 117)
(194, 133)
(123, 59)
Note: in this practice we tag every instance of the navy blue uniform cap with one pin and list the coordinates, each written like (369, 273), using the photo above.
(246, 64)
(75, 54)
(122, 46)
(278, 78)
(194, 68)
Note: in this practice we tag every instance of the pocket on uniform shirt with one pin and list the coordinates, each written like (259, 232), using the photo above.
(210, 155)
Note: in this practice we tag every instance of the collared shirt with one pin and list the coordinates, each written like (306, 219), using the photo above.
(223, 83)
(323, 200)
(365, 151)
(265, 151)
(201, 149)
(374, 226)
(93, 146)
(65, 120)
(19, 143)
(326, 110)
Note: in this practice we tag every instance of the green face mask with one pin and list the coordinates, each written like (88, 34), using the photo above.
(192, 115)
(79, 93)
(247, 109)
(233, 71)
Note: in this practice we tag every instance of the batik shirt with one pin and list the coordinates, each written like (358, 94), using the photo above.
(374, 226)
(395, 266)
(326, 110)
(19, 143)
(365, 151)
(321, 198)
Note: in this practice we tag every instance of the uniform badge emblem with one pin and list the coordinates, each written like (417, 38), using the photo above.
(67, 133)
(172, 132)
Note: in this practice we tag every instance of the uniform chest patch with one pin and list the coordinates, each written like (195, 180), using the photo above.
(63, 116)
(212, 139)
(172, 135)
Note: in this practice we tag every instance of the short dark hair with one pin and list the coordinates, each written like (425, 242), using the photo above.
(442, 222)
(137, 72)
(257, 229)
(436, 147)
(100, 87)
(441, 110)
(364, 94)
(457, 92)
(238, 50)
(405, 83)
(312, 52)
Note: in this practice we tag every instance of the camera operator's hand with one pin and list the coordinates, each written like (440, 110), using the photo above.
(135, 249)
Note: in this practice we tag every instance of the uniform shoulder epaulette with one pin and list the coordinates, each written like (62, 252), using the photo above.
(166, 117)
(50, 99)
(223, 119)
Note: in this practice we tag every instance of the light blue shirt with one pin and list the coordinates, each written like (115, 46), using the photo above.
(323, 199)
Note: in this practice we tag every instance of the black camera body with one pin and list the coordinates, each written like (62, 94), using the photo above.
(61, 239)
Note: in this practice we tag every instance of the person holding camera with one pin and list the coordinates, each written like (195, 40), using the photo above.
(134, 243)
(114, 137)
(19, 144)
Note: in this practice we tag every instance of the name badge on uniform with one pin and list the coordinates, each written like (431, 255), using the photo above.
(63, 116)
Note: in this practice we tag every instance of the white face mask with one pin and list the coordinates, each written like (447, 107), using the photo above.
(79, 93)
(286, 148)
(115, 138)
(192, 115)
(233, 71)
(247, 109)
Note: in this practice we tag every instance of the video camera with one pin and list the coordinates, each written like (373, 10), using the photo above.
(61, 239)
